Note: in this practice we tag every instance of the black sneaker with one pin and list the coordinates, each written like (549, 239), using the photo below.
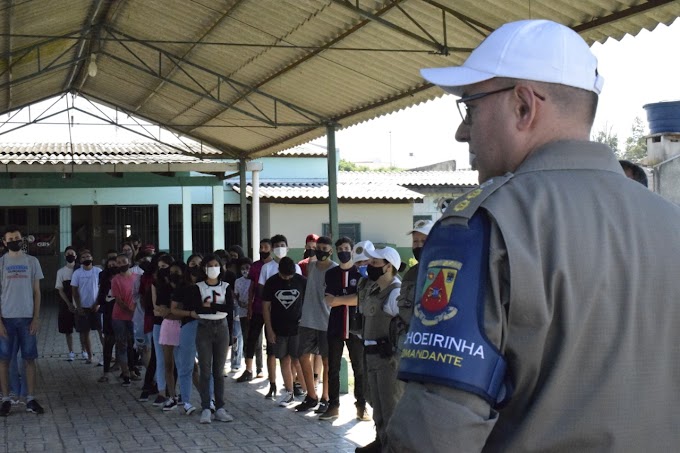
(245, 377)
(5, 407)
(144, 397)
(126, 382)
(307, 404)
(159, 401)
(272, 391)
(323, 407)
(34, 407)
(297, 390)
(374, 446)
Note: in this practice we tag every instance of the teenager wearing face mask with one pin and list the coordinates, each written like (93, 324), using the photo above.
(378, 309)
(252, 327)
(210, 302)
(312, 334)
(342, 281)
(241, 292)
(85, 286)
(124, 289)
(309, 256)
(107, 301)
(66, 318)
(185, 351)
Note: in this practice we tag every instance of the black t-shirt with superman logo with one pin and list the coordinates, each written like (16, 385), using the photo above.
(286, 297)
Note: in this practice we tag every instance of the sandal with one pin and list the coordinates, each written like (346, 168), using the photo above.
(103, 379)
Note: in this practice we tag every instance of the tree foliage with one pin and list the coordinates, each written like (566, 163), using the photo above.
(609, 138)
(345, 165)
(636, 144)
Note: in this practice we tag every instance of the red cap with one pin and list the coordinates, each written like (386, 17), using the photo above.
(311, 238)
(148, 248)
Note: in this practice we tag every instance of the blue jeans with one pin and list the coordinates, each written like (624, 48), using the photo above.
(124, 339)
(237, 347)
(17, 373)
(18, 330)
(185, 356)
(160, 360)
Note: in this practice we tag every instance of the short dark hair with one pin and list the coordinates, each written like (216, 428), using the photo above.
(324, 240)
(279, 238)
(236, 249)
(70, 247)
(245, 260)
(266, 241)
(212, 257)
(636, 171)
(286, 266)
(344, 240)
(11, 229)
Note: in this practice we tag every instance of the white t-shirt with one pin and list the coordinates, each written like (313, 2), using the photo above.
(215, 295)
(270, 269)
(87, 284)
(63, 274)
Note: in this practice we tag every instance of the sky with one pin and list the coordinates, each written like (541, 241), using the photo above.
(637, 70)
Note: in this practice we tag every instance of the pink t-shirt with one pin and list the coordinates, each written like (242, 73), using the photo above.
(124, 287)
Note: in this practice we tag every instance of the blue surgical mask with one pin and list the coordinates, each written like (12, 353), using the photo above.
(363, 271)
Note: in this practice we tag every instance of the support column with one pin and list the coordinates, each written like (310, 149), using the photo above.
(218, 217)
(255, 208)
(187, 227)
(243, 204)
(163, 227)
(65, 233)
(332, 182)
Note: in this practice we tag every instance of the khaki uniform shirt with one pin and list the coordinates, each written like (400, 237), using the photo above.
(582, 302)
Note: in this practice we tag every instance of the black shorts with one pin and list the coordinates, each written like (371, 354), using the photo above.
(287, 346)
(89, 320)
(312, 341)
(66, 319)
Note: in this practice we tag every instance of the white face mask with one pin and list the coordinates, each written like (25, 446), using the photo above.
(213, 272)
(280, 252)
(244, 273)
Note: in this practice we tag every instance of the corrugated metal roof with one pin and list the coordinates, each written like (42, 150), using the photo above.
(97, 157)
(319, 191)
(267, 75)
(459, 178)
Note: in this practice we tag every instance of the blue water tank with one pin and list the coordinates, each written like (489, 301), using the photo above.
(663, 117)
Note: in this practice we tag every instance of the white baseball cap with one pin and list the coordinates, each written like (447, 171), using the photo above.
(422, 226)
(539, 50)
(360, 249)
(386, 253)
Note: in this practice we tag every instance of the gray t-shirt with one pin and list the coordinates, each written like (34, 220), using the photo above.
(16, 277)
(87, 282)
(315, 311)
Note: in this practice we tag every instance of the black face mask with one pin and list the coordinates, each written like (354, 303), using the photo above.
(70, 258)
(321, 255)
(112, 270)
(416, 253)
(264, 255)
(14, 246)
(123, 269)
(162, 274)
(309, 253)
(86, 262)
(196, 271)
(374, 273)
(344, 257)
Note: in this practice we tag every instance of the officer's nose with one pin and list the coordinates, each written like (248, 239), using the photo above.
(463, 133)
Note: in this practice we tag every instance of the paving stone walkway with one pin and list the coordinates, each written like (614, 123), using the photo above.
(82, 415)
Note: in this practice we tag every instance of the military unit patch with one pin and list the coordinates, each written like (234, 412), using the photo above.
(434, 305)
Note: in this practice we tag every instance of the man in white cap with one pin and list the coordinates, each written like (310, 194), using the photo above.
(378, 308)
(546, 316)
(407, 295)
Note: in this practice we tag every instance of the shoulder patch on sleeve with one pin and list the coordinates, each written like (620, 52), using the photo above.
(465, 206)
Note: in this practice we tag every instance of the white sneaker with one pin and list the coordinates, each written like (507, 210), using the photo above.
(71, 356)
(212, 406)
(206, 416)
(223, 416)
(285, 399)
(85, 356)
(189, 408)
